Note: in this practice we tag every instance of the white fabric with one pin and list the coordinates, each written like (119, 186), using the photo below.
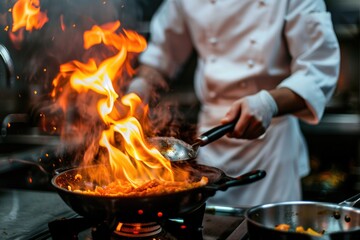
(263, 106)
(245, 46)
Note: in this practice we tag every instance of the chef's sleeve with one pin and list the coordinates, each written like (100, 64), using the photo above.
(315, 54)
(170, 44)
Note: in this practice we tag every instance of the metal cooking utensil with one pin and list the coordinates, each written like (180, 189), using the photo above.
(340, 221)
(9, 73)
(352, 201)
(177, 150)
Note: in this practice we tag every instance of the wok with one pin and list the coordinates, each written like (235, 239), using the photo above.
(148, 208)
(177, 150)
(340, 221)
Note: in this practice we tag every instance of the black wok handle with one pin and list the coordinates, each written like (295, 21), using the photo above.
(246, 178)
(214, 133)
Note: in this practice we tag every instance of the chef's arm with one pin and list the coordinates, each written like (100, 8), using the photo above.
(147, 83)
(253, 113)
(169, 47)
(287, 101)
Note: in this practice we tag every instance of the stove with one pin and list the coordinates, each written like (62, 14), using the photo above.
(31, 209)
(40, 215)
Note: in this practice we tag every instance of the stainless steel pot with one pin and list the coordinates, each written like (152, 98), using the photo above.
(339, 221)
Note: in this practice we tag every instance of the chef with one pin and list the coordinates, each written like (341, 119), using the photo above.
(265, 64)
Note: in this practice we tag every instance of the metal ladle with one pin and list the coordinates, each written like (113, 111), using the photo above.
(177, 150)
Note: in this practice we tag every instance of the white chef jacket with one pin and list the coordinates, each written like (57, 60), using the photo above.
(244, 46)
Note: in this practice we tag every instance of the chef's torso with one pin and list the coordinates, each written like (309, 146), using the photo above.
(244, 46)
(240, 47)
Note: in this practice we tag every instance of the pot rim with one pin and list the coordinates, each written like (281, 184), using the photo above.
(328, 205)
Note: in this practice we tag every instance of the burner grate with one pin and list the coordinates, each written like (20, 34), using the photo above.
(199, 225)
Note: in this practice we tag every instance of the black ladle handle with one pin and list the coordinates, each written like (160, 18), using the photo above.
(214, 133)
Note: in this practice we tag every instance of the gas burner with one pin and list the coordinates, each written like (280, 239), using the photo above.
(138, 230)
(185, 227)
(214, 223)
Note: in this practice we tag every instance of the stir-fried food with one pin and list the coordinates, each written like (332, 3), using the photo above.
(299, 229)
(153, 187)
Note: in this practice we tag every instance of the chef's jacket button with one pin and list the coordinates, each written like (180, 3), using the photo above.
(243, 84)
(213, 1)
(262, 3)
(212, 94)
(250, 63)
(213, 40)
(252, 41)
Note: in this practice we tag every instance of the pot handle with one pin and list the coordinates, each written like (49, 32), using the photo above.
(350, 202)
(246, 178)
(41, 168)
(29, 162)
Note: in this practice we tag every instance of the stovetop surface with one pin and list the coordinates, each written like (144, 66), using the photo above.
(25, 214)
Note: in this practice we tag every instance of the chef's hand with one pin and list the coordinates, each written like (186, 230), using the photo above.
(254, 112)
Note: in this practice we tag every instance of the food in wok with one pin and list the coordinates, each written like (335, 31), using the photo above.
(125, 188)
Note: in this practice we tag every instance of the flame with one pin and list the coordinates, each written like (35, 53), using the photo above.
(62, 24)
(26, 14)
(129, 154)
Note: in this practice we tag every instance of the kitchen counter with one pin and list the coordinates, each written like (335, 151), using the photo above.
(335, 124)
(24, 212)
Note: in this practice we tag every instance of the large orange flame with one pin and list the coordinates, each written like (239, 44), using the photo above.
(130, 156)
(26, 14)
